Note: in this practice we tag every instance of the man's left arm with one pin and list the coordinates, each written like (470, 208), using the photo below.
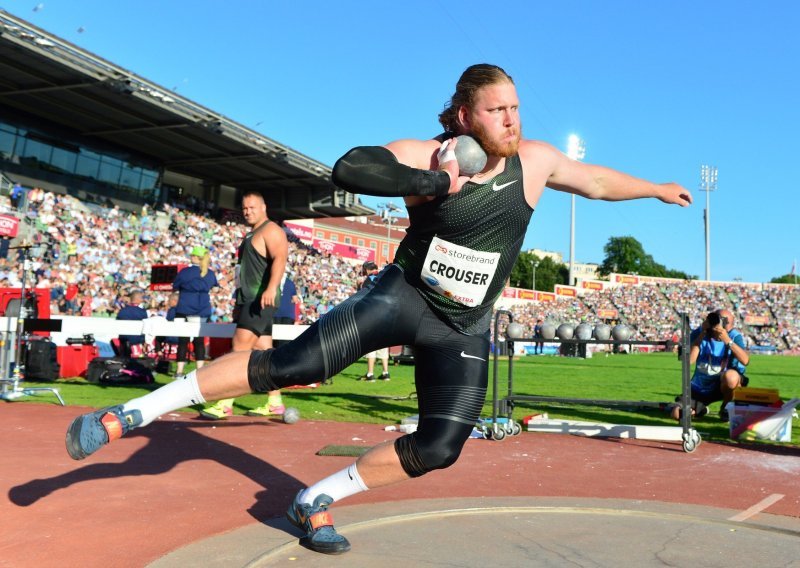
(736, 346)
(277, 247)
(599, 182)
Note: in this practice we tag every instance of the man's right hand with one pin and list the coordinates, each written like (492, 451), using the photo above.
(447, 163)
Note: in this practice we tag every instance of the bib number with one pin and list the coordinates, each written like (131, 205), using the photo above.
(459, 273)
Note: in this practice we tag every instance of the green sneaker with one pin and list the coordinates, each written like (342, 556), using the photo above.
(317, 523)
(220, 410)
(267, 410)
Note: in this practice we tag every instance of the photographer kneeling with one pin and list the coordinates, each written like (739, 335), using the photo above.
(720, 356)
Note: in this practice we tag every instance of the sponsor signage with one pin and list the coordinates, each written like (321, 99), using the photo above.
(756, 320)
(302, 232)
(523, 294)
(569, 291)
(362, 254)
(607, 313)
(509, 292)
(9, 226)
(592, 285)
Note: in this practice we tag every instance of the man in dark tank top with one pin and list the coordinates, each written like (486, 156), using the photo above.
(465, 233)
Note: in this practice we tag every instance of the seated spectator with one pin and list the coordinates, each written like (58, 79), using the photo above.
(132, 311)
(719, 354)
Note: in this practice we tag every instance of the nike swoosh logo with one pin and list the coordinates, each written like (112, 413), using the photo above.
(496, 187)
(471, 357)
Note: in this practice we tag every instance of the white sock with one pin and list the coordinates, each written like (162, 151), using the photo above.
(177, 394)
(337, 486)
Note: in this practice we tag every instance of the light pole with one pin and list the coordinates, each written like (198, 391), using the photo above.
(534, 264)
(576, 150)
(708, 175)
(386, 215)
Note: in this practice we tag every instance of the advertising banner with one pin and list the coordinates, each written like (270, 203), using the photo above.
(569, 291)
(9, 226)
(361, 254)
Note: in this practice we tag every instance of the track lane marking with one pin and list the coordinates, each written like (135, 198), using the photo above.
(757, 508)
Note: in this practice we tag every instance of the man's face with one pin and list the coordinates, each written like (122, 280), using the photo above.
(254, 210)
(494, 120)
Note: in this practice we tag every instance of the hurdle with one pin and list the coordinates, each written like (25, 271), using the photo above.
(503, 424)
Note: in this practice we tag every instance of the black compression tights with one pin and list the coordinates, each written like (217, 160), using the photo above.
(450, 375)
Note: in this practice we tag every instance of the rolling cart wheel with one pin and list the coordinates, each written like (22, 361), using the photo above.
(499, 434)
(691, 442)
(487, 433)
(516, 429)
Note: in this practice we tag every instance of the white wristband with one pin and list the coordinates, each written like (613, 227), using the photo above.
(444, 154)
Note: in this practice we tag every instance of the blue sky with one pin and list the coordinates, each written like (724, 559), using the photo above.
(656, 89)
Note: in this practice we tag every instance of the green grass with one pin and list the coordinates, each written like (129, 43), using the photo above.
(636, 377)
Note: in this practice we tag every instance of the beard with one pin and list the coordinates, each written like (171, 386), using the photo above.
(494, 148)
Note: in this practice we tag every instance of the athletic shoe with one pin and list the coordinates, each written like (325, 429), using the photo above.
(385, 377)
(267, 410)
(220, 410)
(89, 432)
(317, 523)
(370, 378)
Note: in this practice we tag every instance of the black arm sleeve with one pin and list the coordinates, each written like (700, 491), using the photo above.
(374, 170)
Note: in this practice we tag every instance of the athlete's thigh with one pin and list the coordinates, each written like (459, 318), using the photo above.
(381, 315)
(451, 373)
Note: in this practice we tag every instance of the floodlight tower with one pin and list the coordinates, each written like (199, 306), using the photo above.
(386, 215)
(576, 150)
(708, 176)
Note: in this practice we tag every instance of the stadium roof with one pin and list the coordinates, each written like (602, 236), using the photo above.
(53, 80)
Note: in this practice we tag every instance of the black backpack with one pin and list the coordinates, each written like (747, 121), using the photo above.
(119, 371)
(41, 360)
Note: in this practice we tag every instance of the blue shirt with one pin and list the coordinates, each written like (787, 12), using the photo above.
(132, 312)
(714, 358)
(286, 308)
(193, 288)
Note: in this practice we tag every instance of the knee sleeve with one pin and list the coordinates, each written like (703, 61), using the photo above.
(258, 371)
(424, 451)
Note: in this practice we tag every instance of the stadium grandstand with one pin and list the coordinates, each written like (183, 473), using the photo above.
(120, 174)
(72, 122)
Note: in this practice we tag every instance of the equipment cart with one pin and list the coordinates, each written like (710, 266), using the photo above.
(503, 424)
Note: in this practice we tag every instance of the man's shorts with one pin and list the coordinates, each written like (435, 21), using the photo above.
(701, 399)
(382, 353)
(252, 317)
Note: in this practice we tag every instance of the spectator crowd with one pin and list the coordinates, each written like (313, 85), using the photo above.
(92, 257)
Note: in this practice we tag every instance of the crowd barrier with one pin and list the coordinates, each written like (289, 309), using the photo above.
(106, 329)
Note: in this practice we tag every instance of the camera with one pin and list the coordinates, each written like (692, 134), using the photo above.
(87, 339)
(714, 319)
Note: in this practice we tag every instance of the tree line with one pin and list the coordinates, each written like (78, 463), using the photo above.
(624, 255)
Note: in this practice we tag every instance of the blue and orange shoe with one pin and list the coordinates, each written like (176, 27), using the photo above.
(90, 432)
(317, 523)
